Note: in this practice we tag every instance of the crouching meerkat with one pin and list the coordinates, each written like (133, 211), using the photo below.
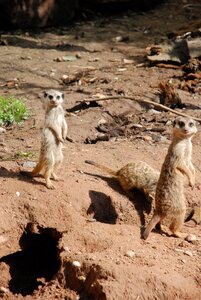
(169, 198)
(53, 135)
(137, 175)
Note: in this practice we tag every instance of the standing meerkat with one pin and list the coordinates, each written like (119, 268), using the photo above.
(53, 135)
(169, 198)
(137, 175)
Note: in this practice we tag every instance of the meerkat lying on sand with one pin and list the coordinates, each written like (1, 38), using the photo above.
(169, 198)
(53, 135)
(137, 175)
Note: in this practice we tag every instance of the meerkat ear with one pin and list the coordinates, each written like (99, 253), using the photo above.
(62, 95)
(174, 123)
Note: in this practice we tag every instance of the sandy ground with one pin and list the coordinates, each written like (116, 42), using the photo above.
(83, 239)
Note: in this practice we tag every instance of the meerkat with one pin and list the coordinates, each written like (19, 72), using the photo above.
(53, 135)
(169, 197)
(137, 175)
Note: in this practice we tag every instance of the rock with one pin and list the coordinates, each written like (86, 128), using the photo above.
(147, 138)
(154, 111)
(66, 248)
(2, 130)
(29, 164)
(76, 264)
(3, 239)
(102, 121)
(189, 253)
(4, 290)
(191, 238)
(121, 39)
(128, 61)
(130, 253)
(168, 123)
(179, 250)
(17, 194)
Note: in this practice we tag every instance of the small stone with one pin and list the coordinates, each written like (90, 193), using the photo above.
(64, 77)
(168, 123)
(3, 239)
(128, 61)
(91, 219)
(154, 111)
(183, 244)
(2, 130)
(191, 238)
(102, 121)
(65, 248)
(147, 138)
(17, 194)
(121, 69)
(29, 164)
(78, 55)
(178, 250)
(121, 39)
(3, 290)
(189, 253)
(82, 278)
(130, 253)
(76, 264)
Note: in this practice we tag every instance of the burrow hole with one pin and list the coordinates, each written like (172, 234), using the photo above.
(38, 261)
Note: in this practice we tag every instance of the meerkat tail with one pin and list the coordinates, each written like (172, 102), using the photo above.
(34, 172)
(101, 167)
(37, 168)
(154, 221)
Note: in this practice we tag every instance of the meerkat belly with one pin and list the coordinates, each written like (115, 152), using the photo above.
(169, 196)
(49, 141)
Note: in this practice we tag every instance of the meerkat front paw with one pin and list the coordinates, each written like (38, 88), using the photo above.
(60, 139)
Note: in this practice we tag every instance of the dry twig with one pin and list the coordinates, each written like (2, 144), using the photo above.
(144, 101)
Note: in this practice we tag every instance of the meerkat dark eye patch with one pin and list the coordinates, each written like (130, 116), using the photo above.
(58, 97)
(181, 124)
(191, 124)
(50, 97)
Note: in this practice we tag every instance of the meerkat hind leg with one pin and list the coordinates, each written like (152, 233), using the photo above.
(55, 177)
(47, 175)
(176, 225)
(57, 164)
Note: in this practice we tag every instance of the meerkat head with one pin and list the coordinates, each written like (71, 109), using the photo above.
(184, 127)
(53, 98)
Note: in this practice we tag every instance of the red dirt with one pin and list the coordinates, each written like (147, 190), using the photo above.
(162, 267)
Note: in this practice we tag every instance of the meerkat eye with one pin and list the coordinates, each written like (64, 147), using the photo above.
(181, 124)
(50, 97)
(58, 97)
(191, 124)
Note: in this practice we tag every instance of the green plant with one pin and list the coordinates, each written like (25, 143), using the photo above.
(12, 110)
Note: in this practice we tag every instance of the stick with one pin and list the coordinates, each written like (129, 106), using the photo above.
(141, 100)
